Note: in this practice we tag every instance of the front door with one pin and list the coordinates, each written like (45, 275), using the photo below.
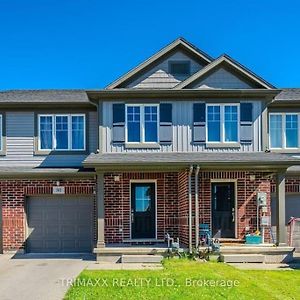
(143, 210)
(223, 210)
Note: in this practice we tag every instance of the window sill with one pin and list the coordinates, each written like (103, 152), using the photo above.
(142, 145)
(223, 145)
(63, 152)
(291, 151)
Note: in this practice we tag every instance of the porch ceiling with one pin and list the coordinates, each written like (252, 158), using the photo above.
(227, 160)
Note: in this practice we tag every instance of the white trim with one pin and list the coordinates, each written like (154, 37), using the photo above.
(222, 123)
(155, 192)
(283, 130)
(235, 202)
(142, 123)
(54, 142)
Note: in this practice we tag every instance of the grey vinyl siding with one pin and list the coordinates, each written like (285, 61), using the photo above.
(159, 76)
(93, 131)
(20, 147)
(222, 79)
(182, 132)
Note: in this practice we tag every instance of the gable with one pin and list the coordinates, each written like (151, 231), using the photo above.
(224, 73)
(222, 78)
(160, 77)
(156, 68)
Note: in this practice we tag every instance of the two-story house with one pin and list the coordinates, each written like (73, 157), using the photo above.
(181, 140)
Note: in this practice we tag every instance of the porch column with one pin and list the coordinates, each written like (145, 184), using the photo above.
(281, 236)
(100, 210)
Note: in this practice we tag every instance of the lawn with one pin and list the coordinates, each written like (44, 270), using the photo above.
(183, 279)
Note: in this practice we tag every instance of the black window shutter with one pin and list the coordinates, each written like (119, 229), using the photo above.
(165, 123)
(118, 123)
(246, 122)
(199, 112)
(246, 112)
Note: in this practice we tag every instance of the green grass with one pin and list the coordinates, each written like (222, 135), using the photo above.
(250, 285)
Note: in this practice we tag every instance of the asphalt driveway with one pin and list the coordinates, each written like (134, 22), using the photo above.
(37, 277)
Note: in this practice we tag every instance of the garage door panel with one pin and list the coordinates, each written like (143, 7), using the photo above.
(52, 231)
(51, 214)
(84, 230)
(60, 224)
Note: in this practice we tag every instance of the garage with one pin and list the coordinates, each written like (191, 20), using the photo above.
(59, 224)
(292, 207)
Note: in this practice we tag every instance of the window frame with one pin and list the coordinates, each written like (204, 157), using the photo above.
(222, 123)
(142, 124)
(54, 141)
(1, 133)
(283, 130)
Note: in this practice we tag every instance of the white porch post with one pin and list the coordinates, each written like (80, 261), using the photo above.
(100, 210)
(281, 235)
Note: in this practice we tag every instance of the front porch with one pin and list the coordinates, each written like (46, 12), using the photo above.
(262, 253)
(182, 200)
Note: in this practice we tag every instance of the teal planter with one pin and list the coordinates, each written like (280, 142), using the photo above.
(253, 239)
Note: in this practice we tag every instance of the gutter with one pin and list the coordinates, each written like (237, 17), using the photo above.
(197, 206)
(152, 93)
(190, 208)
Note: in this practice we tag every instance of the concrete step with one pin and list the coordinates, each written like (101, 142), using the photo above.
(242, 258)
(147, 259)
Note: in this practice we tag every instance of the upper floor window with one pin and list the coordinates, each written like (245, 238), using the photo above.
(61, 132)
(142, 123)
(180, 68)
(1, 133)
(284, 130)
(222, 123)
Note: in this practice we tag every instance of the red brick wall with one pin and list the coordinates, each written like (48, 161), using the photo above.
(117, 204)
(292, 185)
(246, 197)
(13, 195)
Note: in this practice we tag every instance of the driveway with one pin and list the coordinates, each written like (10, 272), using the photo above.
(38, 277)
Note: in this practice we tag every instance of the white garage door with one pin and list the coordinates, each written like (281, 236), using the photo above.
(60, 224)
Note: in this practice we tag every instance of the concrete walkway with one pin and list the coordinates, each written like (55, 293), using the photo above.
(38, 277)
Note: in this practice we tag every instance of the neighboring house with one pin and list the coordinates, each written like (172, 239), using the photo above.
(181, 140)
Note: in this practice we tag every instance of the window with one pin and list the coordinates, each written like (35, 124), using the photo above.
(142, 123)
(1, 133)
(61, 132)
(231, 123)
(213, 123)
(180, 68)
(222, 123)
(291, 131)
(284, 130)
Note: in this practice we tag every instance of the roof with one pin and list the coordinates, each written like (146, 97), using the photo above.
(288, 95)
(225, 59)
(42, 171)
(44, 96)
(185, 158)
(180, 42)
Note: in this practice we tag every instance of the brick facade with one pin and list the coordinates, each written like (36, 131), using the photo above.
(172, 201)
(13, 195)
(292, 185)
(117, 204)
(247, 186)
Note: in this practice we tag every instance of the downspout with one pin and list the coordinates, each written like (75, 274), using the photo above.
(190, 208)
(197, 205)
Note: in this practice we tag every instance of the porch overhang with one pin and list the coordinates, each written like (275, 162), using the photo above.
(168, 161)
